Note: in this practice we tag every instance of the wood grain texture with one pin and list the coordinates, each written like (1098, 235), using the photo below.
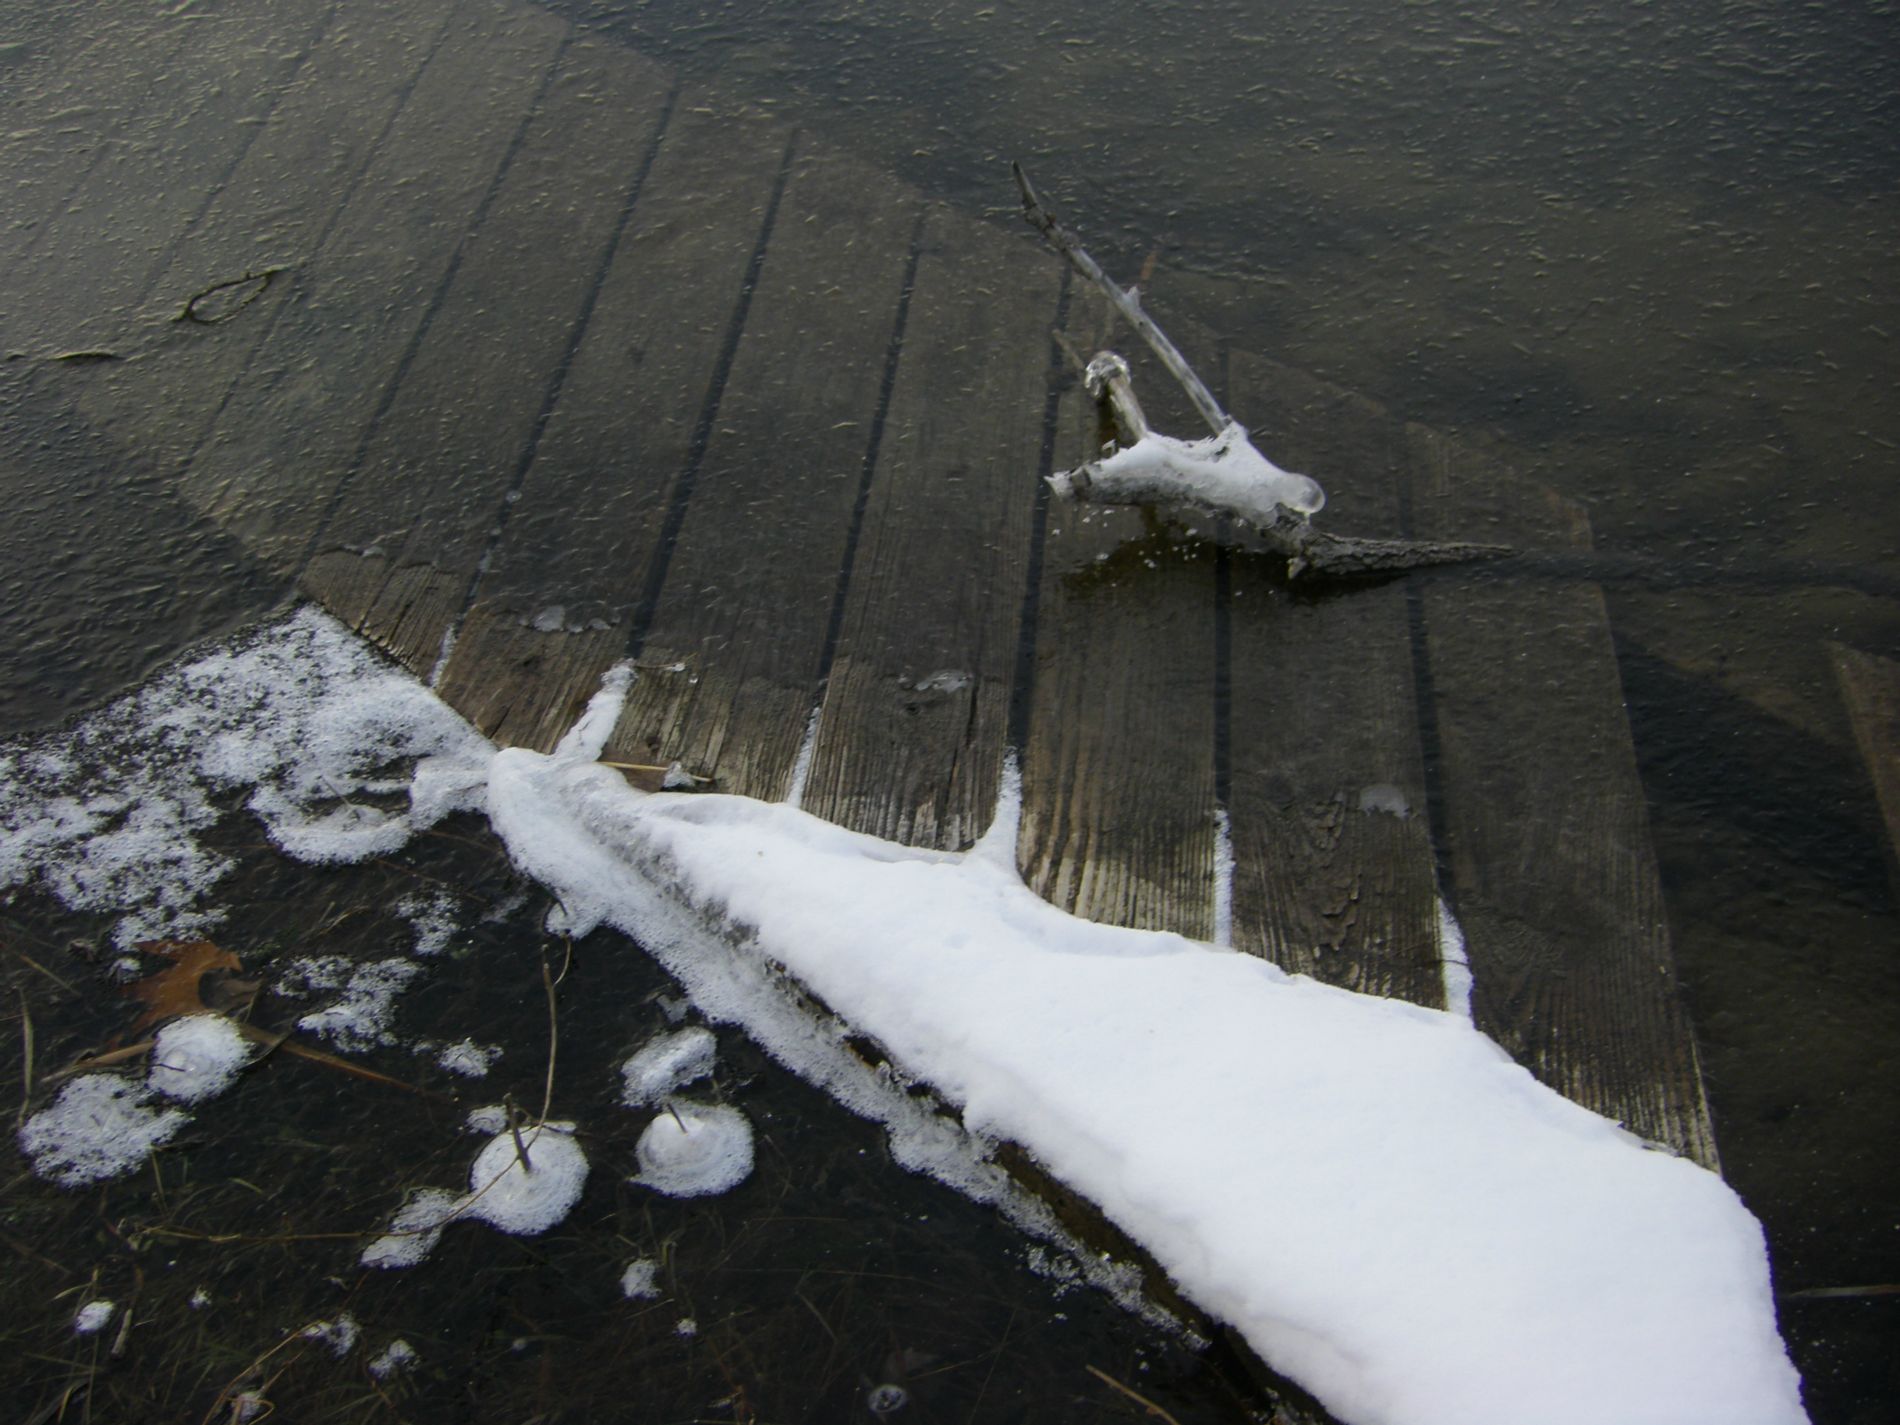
(1118, 818)
(916, 711)
(324, 131)
(1870, 686)
(1333, 873)
(433, 485)
(1553, 876)
(752, 576)
(84, 277)
(295, 425)
(556, 605)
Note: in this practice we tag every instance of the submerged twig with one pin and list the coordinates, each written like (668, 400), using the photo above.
(1224, 474)
(1108, 1380)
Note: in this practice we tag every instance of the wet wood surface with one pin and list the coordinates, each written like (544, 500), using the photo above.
(1870, 687)
(566, 365)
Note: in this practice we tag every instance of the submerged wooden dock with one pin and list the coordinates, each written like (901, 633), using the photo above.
(533, 358)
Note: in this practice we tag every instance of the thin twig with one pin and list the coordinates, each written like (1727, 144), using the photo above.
(26, 1047)
(1064, 242)
(1134, 1395)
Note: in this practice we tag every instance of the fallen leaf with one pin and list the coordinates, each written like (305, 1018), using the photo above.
(175, 990)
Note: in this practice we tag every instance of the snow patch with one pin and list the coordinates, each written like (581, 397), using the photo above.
(99, 1127)
(197, 1057)
(666, 1064)
(693, 1150)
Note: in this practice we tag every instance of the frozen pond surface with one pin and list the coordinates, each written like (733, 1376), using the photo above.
(1646, 255)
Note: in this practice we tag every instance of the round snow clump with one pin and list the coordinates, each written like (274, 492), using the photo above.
(92, 1317)
(98, 1128)
(639, 1282)
(399, 1357)
(526, 1201)
(666, 1064)
(694, 1151)
(197, 1057)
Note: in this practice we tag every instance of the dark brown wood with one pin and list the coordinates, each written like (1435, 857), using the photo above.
(1333, 873)
(556, 605)
(1119, 812)
(433, 484)
(1546, 832)
(752, 576)
(295, 425)
(273, 212)
(916, 713)
(1870, 686)
(79, 285)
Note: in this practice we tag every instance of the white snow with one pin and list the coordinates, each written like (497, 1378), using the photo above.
(197, 1057)
(397, 1357)
(1387, 1208)
(99, 1127)
(1223, 473)
(640, 1281)
(92, 1317)
(524, 1199)
(338, 1337)
(360, 1020)
(467, 1058)
(105, 815)
(667, 1063)
(695, 1150)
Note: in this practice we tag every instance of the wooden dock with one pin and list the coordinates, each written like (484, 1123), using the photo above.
(535, 359)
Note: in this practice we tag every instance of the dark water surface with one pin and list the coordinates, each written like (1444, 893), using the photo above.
(1645, 253)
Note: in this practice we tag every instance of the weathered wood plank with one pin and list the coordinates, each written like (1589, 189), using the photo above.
(1870, 686)
(1119, 807)
(916, 711)
(1553, 876)
(1333, 873)
(80, 286)
(275, 211)
(556, 605)
(296, 424)
(433, 486)
(786, 456)
(65, 105)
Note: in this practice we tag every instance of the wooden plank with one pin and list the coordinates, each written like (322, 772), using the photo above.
(556, 605)
(88, 76)
(1545, 828)
(1870, 686)
(80, 286)
(275, 211)
(1119, 807)
(297, 422)
(433, 485)
(916, 712)
(781, 469)
(1333, 873)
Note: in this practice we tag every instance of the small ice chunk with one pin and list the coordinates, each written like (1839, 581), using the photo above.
(640, 1281)
(338, 1336)
(92, 1317)
(1385, 797)
(200, 1299)
(695, 1151)
(360, 1020)
(552, 619)
(666, 1064)
(527, 1199)
(98, 1128)
(307, 974)
(489, 1118)
(687, 1327)
(469, 1059)
(197, 1057)
(415, 1231)
(433, 918)
(397, 1357)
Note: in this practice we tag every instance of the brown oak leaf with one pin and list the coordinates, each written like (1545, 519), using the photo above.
(175, 990)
